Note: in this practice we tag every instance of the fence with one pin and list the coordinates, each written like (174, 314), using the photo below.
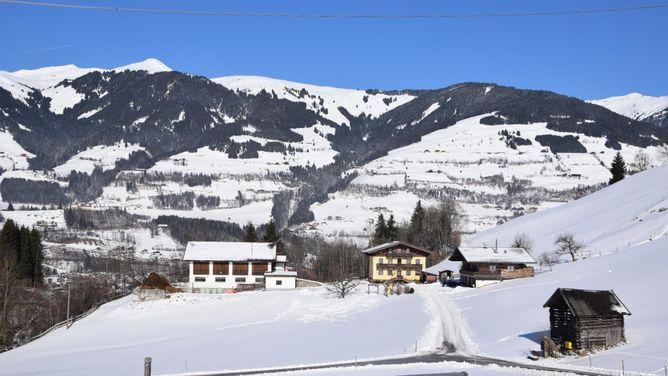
(69, 322)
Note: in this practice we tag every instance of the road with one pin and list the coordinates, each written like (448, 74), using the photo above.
(436, 357)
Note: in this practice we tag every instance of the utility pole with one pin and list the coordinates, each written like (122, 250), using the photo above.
(68, 305)
(147, 366)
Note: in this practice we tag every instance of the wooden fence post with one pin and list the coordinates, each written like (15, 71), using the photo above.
(147, 366)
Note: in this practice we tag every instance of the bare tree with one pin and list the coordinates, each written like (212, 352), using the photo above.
(567, 244)
(663, 153)
(547, 258)
(522, 240)
(642, 161)
(343, 287)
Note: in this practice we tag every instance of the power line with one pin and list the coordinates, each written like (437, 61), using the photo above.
(348, 16)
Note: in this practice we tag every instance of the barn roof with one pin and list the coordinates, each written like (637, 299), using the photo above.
(442, 266)
(229, 251)
(492, 255)
(385, 246)
(588, 302)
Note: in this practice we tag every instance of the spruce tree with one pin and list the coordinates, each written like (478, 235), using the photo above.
(380, 234)
(618, 169)
(37, 249)
(271, 235)
(392, 230)
(417, 222)
(26, 262)
(250, 234)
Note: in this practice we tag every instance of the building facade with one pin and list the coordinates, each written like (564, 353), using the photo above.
(487, 265)
(396, 261)
(215, 266)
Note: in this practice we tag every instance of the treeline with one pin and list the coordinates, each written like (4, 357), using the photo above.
(21, 253)
(30, 311)
(107, 219)
(333, 261)
(32, 191)
(436, 229)
(200, 229)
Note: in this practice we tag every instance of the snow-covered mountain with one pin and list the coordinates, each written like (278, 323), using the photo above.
(639, 107)
(319, 159)
(327, 101)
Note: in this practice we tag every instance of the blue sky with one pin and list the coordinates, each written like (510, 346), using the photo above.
(587, 56)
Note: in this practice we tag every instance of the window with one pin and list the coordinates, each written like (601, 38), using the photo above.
(200, 279)
(279, 282)
(492, 268)
(221, 268)
(260, 268)
(240, 279)
(201, 268)
(220, 279)
(259, 279)
(380, 271)
(399, 261)
(240, 268)
(417, 261)
(511, 268)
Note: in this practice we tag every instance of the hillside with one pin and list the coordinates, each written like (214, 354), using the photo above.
(631, 212)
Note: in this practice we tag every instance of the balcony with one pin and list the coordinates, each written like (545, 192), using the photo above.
(399, 266)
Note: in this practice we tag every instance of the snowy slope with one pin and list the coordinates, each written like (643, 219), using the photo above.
(22, 82)
(507, 319)
(630, 212)
(104, 156)
(194, 332)
(318, 97)
(474, 164)
(635, 105)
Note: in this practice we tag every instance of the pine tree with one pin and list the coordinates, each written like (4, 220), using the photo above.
(392, 229)
(380, 233)
(417, 222)
(618, 169)
(10, 207)
(271, 235)
(26, 262)
(36, 249)
(250, 234)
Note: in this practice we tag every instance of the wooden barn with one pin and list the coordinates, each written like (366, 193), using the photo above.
(586, 319)
(486, 265)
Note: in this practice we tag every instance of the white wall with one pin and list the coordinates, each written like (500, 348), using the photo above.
(230, 279)
(287, 283)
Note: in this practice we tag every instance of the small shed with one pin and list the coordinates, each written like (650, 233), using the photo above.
(586, 319)
(280, 279)
(445, 270)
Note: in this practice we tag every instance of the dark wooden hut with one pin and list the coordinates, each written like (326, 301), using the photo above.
(586, 319)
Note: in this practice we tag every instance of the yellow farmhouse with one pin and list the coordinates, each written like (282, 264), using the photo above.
(396, 260)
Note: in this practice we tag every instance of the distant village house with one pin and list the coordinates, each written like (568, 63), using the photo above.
(396, 261)
(486, 265)
(445, 271)
(220, 266)
(586, 319)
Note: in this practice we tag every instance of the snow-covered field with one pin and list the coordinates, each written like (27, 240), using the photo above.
(192, 332)
(104, 156)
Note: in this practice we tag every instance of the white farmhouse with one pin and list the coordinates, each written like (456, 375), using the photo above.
(219, 266)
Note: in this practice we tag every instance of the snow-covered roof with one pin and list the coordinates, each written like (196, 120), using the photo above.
(493, 255)
(281, 258)
(588, 302)
(384, 246)
(443, 266)
(281, 273)
(229, 251)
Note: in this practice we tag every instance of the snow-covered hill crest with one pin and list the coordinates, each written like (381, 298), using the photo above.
(637, 106)
(323, 99)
